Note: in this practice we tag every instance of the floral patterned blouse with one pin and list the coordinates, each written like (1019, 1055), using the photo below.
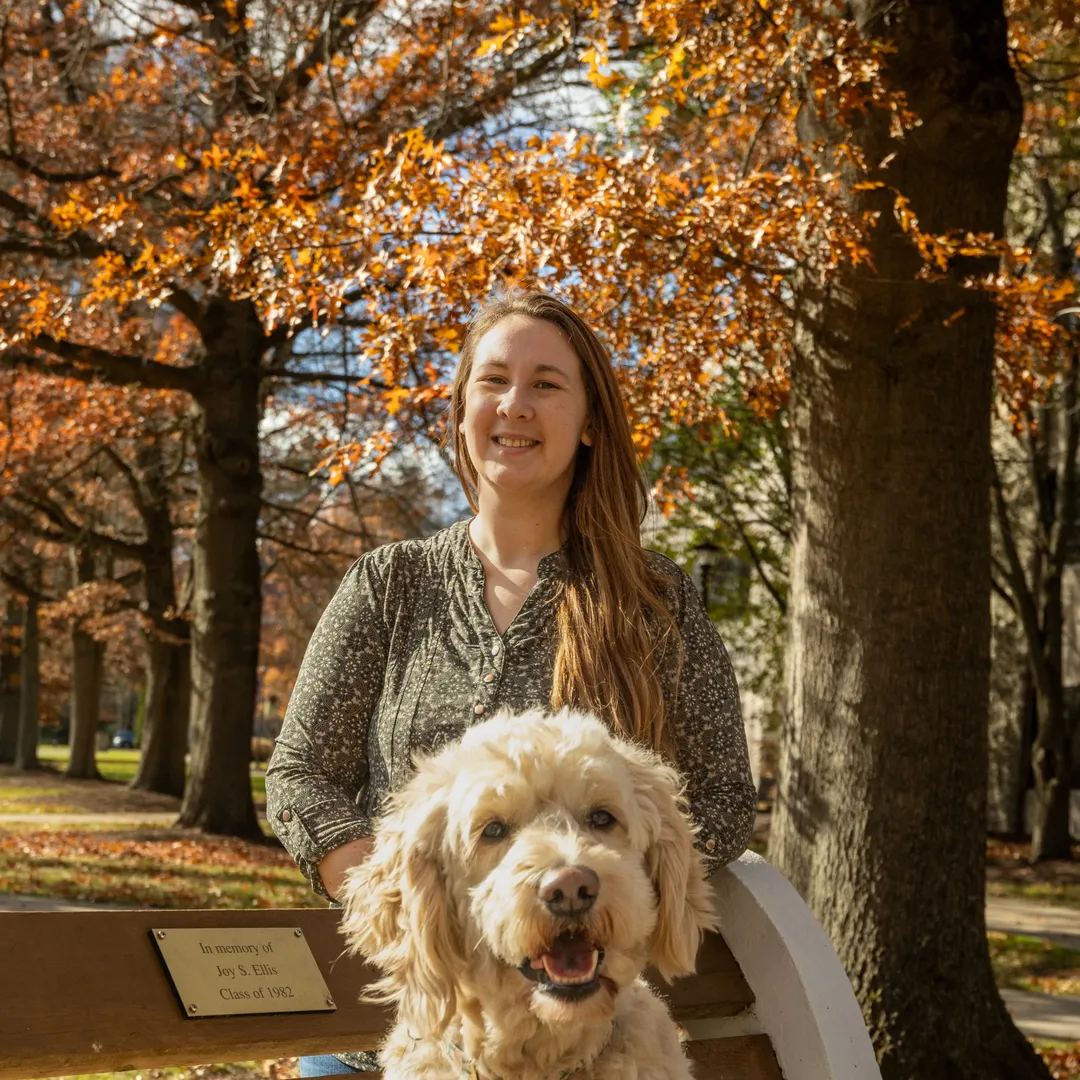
(406, 656)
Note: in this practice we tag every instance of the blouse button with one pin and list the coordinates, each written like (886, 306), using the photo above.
(710, 844)
(286, 815)
(495, 649)
(478, 709)
(489, 677)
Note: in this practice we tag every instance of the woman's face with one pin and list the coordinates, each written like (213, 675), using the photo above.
(526, 409)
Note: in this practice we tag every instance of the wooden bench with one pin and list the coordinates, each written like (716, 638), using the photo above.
(86, 992)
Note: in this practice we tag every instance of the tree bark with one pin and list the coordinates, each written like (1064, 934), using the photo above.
(1027, 727)
(1053, 470)
(87, 658)
(1038, 594)
(880, 819)
(30, 684)
(1051, 757)
(168, 691)
(228, 579)
(168, 705)
(10, 648)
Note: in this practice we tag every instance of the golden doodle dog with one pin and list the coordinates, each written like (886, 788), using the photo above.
(519, 885)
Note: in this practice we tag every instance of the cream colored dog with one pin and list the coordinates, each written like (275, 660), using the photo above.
(519, 884)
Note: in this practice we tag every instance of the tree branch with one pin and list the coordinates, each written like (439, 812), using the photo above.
(82, 244)
(87, 362)
(1023, 597)
(328, 44)
(81, 176)
(460, 117)
(305, 550)
(751, 550)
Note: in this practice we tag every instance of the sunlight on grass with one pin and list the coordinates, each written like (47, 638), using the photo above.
(28, 800)
(149, 872)
(1062, 1059)
(1063, 894)
(278, 1069)
(46, 825)
(1031, 963)
(117, 766)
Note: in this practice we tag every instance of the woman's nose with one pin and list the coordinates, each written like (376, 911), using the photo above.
(514, 404)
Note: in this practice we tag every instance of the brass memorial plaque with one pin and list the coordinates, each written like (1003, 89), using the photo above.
(220, 972)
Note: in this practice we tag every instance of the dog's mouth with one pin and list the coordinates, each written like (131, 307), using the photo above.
(569, 969)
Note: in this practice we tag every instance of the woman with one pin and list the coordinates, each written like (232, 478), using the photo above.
(546, 596)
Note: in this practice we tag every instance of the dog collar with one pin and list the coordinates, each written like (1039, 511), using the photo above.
(468, 1070)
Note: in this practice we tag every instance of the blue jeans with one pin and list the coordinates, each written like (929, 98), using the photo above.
(323, 1065)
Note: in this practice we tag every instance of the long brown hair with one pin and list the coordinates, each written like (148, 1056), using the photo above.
(614, 625)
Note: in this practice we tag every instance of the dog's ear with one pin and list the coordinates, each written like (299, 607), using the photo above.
(398, 911)
(684, 900)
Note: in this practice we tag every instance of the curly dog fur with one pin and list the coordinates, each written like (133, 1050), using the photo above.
(519, 885)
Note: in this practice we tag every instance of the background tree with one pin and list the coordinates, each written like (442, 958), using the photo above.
(10, 648)
(1035, 482)
(241, 168)
(889, 654)
(88, 467)
(725, 490)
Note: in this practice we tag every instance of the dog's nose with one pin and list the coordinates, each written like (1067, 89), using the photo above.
(570, 890)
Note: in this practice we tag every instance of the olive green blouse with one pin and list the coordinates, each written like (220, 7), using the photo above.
(406, 656)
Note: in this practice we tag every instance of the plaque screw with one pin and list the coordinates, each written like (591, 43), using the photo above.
(299, 933)
(161, 933)
(193, 1008)
(329, 1000)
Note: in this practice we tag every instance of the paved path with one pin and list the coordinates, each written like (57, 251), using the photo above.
(1060, 925)
(1044, 1016)
(11, 902)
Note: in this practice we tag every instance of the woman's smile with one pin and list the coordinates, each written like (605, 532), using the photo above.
(526, 411)
(510, 442)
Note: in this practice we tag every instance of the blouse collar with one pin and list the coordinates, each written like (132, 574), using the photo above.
(552, 566)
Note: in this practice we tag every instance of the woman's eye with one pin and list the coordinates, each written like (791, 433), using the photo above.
(495, 830)
(601, 819)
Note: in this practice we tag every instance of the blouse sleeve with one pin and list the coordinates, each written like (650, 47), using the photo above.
(317, 777)
(709, 737)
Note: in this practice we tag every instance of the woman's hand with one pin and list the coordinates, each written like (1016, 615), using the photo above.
(335, 864)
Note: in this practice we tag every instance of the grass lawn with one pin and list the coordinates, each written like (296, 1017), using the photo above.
(281, 1069)
(131, 861)
(150, 867)
(1009, 872)
(1030, 963)
(120, 766)
(39, 799)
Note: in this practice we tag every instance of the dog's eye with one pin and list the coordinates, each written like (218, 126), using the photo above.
(601, 819)
(495, 830)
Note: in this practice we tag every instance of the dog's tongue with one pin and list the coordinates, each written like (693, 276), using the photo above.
(570, 956)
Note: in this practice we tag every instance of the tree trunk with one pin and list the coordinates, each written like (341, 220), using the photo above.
(10, 648)
(880, 819)
(168, 690)
(30, 685)
(228, 579)
(168, 703)
(1054, 473)
(1027, 729)
(1052, 764)
(87, 658)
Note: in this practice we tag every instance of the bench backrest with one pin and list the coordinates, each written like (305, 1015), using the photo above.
(86, 992)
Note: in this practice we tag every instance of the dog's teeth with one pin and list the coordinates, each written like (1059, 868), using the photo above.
(573, 980)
